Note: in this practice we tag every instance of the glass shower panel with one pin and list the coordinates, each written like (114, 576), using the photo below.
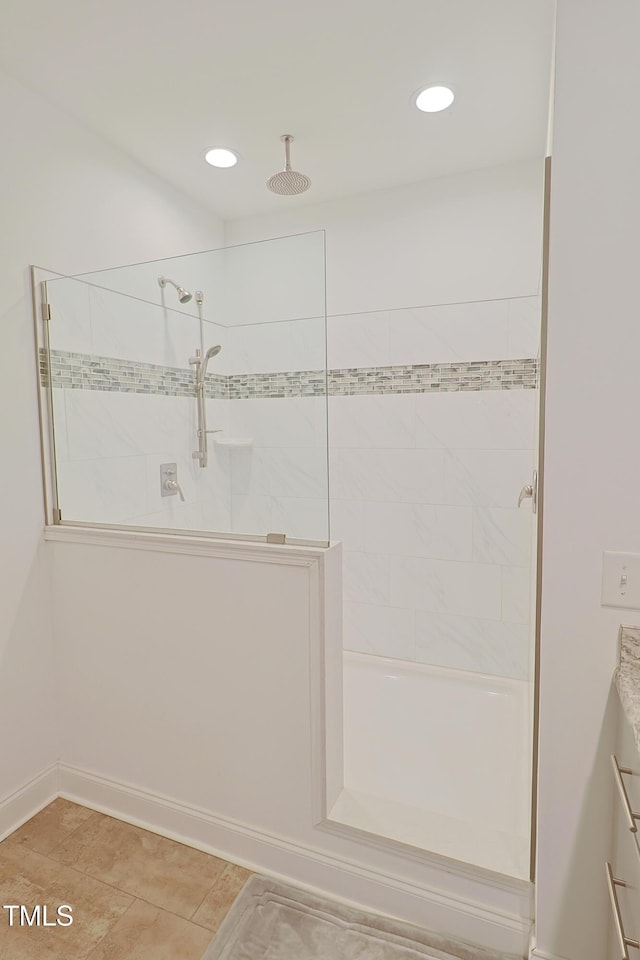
(191, 394)
(123, 406)
(276, 366)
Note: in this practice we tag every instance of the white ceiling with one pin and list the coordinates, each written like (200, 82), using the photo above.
(165, 80)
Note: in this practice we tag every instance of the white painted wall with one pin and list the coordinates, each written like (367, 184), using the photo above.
(481, 242)
(69, 202)
(591, 488)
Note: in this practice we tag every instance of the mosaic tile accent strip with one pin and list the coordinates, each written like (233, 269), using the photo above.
(81, 371)
(301, 383)
(77, 371)
(416, 378)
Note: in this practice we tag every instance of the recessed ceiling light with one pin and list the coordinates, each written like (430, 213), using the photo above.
(435, 98)
(221, 157)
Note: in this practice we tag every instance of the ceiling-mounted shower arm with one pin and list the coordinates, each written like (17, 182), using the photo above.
(287, 139)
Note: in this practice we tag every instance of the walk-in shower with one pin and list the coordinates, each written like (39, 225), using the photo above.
(427, 688)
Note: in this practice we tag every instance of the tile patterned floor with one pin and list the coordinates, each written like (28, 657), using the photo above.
(135, 895)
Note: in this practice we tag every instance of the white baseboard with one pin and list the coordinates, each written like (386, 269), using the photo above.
(24, 803)
(290, 861)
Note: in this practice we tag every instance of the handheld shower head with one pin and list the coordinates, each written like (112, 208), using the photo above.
(183, 295)
(202, 367)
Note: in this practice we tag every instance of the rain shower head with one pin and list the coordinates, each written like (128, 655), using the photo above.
(183, 295)
(288, 182)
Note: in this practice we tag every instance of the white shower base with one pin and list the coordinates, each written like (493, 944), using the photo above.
(438, 759)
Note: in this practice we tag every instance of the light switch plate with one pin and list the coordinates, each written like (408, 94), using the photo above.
(621, 580)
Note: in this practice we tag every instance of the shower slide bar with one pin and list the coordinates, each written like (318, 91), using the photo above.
(200, 362)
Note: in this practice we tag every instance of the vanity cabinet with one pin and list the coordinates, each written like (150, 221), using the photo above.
(622, 873)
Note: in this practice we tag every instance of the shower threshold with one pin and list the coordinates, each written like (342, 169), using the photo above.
(464, 840)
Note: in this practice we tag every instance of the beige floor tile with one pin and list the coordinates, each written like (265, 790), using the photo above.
(31, 879)
(214, 909)
(162, 872)
(52, 825)
(148, 933)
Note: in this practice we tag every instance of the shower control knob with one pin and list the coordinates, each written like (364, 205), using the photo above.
(525, 493)
(169, 485)
(530, 492)
(174, 487)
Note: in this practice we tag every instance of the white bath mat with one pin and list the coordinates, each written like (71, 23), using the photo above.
(274, 921)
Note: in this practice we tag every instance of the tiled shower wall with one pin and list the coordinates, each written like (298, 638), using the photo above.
(123, 404)
(424, 486)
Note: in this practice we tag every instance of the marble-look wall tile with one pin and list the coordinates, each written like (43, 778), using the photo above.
(523, 327)
(105, 427)
(486, 478)
(103, 491)
(382, 630)
(134, 330)
(449, 333)
(359, 339)
(366, 578)
(444, 586)
(417, 530)
(485, 420)
(401, 476)
(287, 422)
(70, 324)
(121, 424)
(516, 594)
(176, 516)
(300, 518)
(470, 643)
(372, 421)
(216, 514)
(59, 410)
(502, 535)
(251, 513)
(280, 472)
(347, 522)
(275, 347)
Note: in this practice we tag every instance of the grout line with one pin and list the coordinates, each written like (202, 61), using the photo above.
(218, 878)
(127, 893)
(69, 835)
(110, 930)
(106, 883)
